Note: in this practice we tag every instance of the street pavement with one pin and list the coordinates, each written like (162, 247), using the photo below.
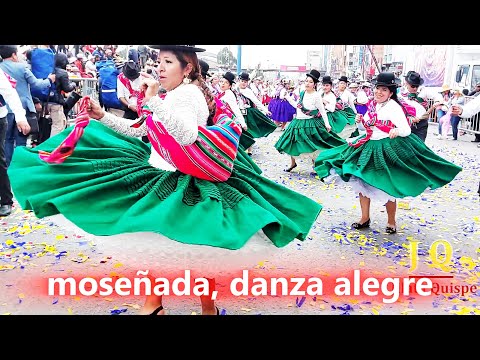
(33, 249)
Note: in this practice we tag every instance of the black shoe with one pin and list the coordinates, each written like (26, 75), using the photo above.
(291, 168)
(157, 310)
(5, 210)
(357, 225)
(390, 230)
(475, 140)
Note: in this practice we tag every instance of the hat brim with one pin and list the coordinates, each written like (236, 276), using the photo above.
(375, 83)
(187, 48)
(313, 77)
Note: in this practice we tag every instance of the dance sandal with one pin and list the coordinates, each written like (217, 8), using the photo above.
(357, 225)
(157, 310)
(290, 168)
(390, 230)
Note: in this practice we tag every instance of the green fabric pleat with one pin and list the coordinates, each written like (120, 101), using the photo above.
(349, 114)
(303, 136)
(245, 160)
(259, 124)
(246, 139)
(107, 187)
(401, 167)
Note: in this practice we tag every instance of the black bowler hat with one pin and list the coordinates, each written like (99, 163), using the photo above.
(188, 48)
(230, 77)
(131, 70)
(315, 75)
(244, 76)
(343, 78)
(204, 67)
(385, 79)
(413, 78)
(327, 80)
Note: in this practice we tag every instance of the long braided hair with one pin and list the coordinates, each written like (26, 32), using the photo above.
(195, 74)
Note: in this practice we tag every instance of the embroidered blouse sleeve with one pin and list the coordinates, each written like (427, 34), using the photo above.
(321, 108)
(231, 100)
(249, 94)
(178, 114)
(471, 108)
(330, 102)
(397, 116)
(121, 125)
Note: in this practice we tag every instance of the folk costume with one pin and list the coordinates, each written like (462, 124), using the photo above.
(307, 134)
(254, 112)
(382, 168)
(112, 184)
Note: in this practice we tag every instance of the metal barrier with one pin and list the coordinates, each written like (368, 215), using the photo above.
(472, 124)
(469, 125)
(87, 87)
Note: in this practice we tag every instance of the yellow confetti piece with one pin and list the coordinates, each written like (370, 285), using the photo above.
(193, 313)
(108, 299)
(59, 237)
(9, 242)
(7, 314)
(135, 306)
(6, 267)
(375, 311)
(246, 309)
(406, 311)
(117, 265)
(362, 263)
(21, 296)
(467, 262)
(322, 307)
(70, 311)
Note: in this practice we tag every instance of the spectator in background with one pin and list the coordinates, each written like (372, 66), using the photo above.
(57, 101)
(19, 71)
(9, 96)
(133, 55)
(476, 91)
(90, 68)
(443, 108)
(457, 99)
(142, 55)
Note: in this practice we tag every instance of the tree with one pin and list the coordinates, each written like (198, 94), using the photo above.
(225, 58)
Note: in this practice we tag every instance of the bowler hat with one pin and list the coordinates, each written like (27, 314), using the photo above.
(314, 74)
(343, 78)
(188, 48)
(131, 70)
(413, 78)
(385, 79)
(204, 67)
(230, 77)
(327, 80)
(244, 76)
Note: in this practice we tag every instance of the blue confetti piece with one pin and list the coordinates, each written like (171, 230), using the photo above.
(117, 311)
(54, 301)
(224, 312)
(302, 300)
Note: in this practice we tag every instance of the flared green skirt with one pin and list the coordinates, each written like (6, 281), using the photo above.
(108, 187)
(303, 136)
(401, 167)
(259, 124)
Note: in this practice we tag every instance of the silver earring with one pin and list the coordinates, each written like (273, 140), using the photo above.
(186, 80)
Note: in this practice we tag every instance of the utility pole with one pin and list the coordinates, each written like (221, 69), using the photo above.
(374, 58)
(239, 59)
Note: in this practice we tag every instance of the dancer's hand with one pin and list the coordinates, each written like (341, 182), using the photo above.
(151, 87)
(393, 133)
(94, 110)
